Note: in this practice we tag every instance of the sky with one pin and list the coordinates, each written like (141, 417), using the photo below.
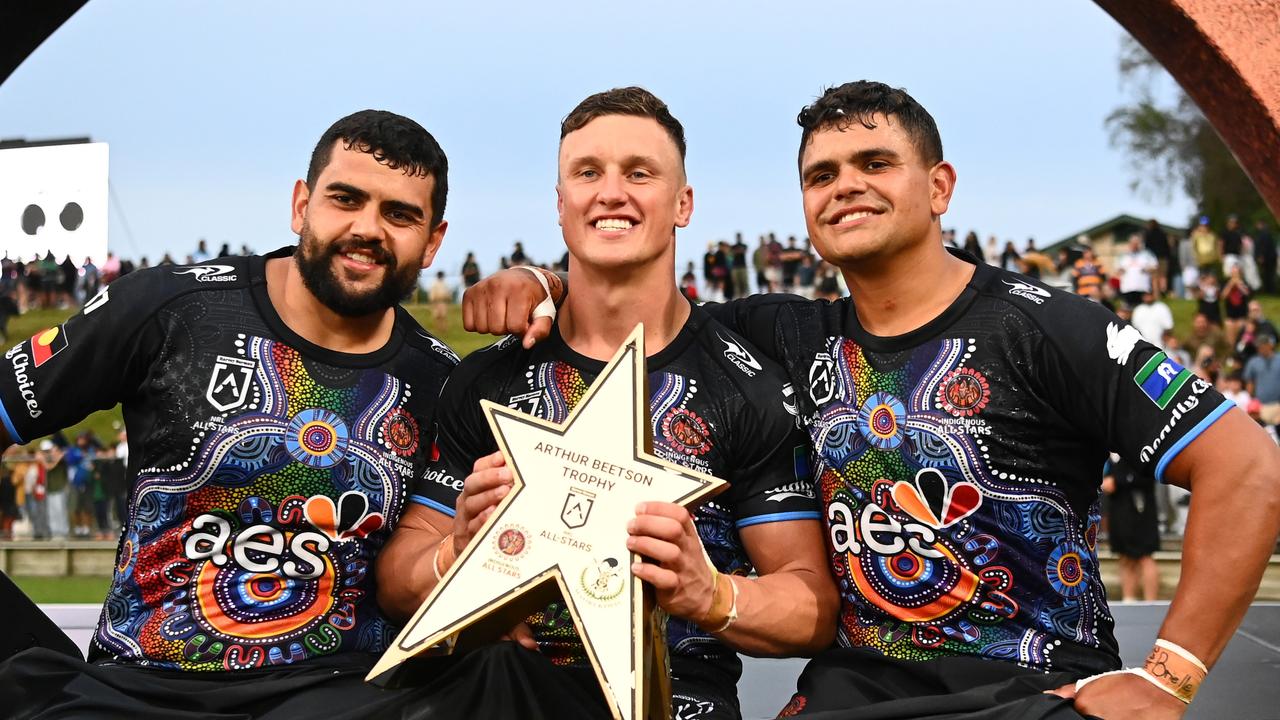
(211, 109)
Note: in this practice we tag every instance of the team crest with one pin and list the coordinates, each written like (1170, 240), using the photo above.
(400, 432)
(512, 541)
(577, 508)
(229, 383)
(603, 582)
(964, 392)
(686, 431)
(823, 381)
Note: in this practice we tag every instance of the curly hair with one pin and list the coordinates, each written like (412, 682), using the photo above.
(839, 107)
(393, 140)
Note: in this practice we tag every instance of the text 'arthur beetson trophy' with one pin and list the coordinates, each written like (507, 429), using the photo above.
(564, 526)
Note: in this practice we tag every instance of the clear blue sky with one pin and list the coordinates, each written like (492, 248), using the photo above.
(212, 109)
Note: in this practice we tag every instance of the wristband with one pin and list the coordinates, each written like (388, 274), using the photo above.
(724, 604)
(546, 308)
(435, 559)
(1169, 667)
(1175, 669)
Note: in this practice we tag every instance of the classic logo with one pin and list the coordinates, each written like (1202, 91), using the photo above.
(440, 347)
(577, 508)
(1121, 340)
(229, 383)
(209, 273)
(1027, 291)
(739, 356)
(823, 381)
(98, 301)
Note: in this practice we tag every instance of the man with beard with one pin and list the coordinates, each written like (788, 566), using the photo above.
(279, 408)
(959, 415)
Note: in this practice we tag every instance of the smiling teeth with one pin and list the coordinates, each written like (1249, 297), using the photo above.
(362, 258)
(613, 224)
(854, 216)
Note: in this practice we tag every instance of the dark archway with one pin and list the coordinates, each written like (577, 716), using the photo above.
(1226, 55)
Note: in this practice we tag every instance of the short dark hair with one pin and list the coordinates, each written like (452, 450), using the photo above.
(635, 101)
(393, 140)
(839, 107)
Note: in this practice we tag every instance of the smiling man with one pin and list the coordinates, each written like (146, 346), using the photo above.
(718, 408)
(959, 417)
(279, 409)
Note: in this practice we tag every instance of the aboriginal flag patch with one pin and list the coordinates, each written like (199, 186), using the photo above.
(46, 344)
(1161, 378)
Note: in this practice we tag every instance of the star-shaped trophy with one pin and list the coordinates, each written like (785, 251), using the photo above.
(563, 527)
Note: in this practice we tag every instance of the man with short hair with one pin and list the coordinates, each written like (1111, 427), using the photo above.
(717, 408)
(959, 423)
(279, 409)
(1262, 377)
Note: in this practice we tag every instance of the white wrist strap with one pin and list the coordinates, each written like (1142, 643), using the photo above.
(546, 308)
(1140, 672)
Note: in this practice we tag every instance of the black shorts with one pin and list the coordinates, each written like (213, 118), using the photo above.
(862, 685)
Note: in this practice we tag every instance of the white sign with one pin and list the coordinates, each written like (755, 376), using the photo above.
(54, 198)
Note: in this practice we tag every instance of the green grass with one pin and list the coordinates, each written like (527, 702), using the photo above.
(77, 589)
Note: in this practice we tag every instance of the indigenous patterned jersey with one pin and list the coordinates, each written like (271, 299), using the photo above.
(266, 471)
(715, 408)
(960, 464)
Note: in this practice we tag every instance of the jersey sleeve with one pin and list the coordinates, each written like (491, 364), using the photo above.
(754, 318)
(96, 359)
(1108, 381)
(462, 436)
(770, 479)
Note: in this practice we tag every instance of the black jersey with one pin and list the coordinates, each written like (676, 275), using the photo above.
(266, 471)
(960, 464)
(715, 406)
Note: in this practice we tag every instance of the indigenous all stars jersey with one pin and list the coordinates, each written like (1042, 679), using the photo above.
(267, 471)
(714, 407)
(959, 465)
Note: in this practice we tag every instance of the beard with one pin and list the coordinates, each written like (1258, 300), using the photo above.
(315, 263)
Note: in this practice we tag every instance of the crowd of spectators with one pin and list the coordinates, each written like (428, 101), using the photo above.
(64, 489)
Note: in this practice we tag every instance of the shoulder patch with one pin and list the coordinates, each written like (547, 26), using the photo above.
(737, 354)
(209, 273)
(1027, 291)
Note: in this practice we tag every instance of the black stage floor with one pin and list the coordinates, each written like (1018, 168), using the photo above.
(1244, 685)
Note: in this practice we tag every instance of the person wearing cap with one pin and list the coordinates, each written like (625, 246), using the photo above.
(1207, 248)
(1262, 377)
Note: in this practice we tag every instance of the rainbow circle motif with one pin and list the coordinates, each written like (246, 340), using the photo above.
(317, 438)
(881, 419)
(260, 607)
(1065, 570)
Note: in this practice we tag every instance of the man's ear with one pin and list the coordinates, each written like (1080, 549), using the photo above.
(301, 196)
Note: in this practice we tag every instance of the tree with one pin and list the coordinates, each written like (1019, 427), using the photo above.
(1172, 147)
